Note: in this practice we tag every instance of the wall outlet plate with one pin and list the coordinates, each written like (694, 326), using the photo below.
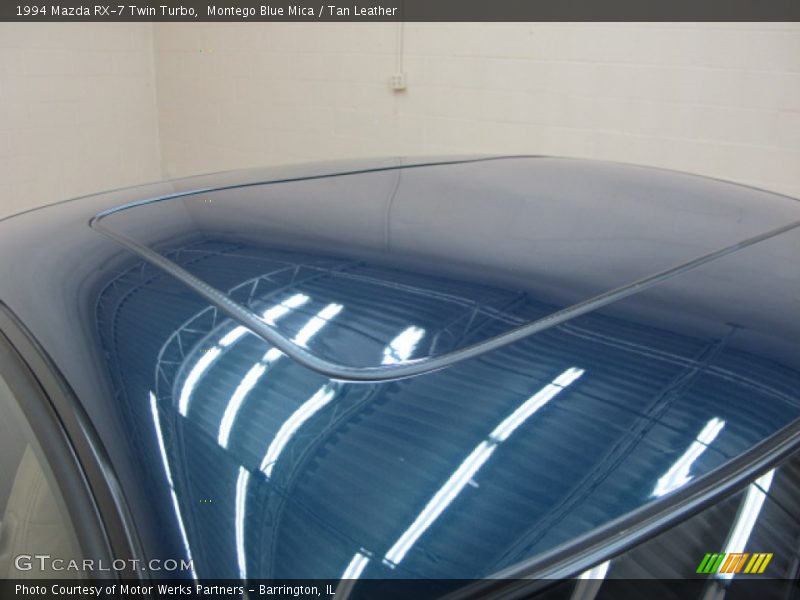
(398, 82)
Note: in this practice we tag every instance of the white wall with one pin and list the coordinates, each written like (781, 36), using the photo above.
(717, 99)
(87, 107)
(77, 111)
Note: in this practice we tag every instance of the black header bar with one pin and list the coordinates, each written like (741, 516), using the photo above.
(398, 10)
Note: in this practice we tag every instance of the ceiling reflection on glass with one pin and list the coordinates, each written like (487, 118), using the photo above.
(277, 471)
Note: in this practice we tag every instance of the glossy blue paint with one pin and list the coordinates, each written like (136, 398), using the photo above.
(277, 471)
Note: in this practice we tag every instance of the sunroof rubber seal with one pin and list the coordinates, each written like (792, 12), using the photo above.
(414, 367)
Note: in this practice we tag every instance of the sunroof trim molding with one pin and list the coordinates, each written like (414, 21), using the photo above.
(414, 367)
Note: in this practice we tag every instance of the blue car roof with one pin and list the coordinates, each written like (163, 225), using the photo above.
(280, 471)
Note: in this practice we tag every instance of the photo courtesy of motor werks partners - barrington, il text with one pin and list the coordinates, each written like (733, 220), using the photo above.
(163, 589)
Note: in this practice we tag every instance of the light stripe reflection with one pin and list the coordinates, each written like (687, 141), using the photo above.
(251, 379)
(303, 413)
(403, 346)
(356, 566)
(747, 517)
(194, 376)
(678, 474)
(400, 348)
(198, 370)
(168, 472)
(598, 572)
(589, 582)
(241, 497)
(240, 393)
(316, 323)
(476, 459)
(353, 571)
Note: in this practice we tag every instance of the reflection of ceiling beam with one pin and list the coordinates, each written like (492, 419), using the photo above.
(195, 321)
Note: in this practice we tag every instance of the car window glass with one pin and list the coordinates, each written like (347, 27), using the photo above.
(37, 539)
(729, 548)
